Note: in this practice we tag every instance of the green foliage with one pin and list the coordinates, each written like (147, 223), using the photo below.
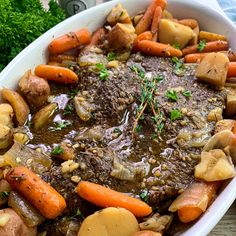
(201, 45)
(23, 21)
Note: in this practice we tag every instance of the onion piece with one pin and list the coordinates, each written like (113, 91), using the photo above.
(29, 214)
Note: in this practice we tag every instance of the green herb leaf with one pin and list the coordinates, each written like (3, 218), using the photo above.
(117, 130)
(172, 95)
(201, 45)
(57, 150)
(178, 66)
(139, 128)
(59, 125)
(4, 195)
(138, 71)
(175, 114)
(73, 92)
(187, 94)
(176, 45)
(159, 78)
(144, 195)
(103, 72)
(111, 56)
(68, 110)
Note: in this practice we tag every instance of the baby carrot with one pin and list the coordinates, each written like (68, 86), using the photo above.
(62, 57)
(189, 22)
(158, 49)
(56, 73)
(214, 46)
(194, 200)
(232, 69)
(69, 41)
(234, 128)
(105, 197)
(146, 21)
(147, 35)
(39, 193)
(97, 36)
(194, 57)
(155, 22)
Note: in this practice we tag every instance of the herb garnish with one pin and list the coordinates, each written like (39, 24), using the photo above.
(117, 130)
(4, 194)
(111, 56)
(178, 66)
(138, 71)
(175, 114)
(176, 45)
(172, 95)
(138, 128)
(57, 150)
(201, 45)
(103, 72)
(73, 92)
(144, 195)
(68, 110)
(187, 93)
(59, 125)
(78, 214)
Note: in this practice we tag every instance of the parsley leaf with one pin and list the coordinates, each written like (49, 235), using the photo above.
(68, 110)
(103, 72)
(178, 66)
(175, 114)
(117, 130)
(159, 78)
(144, 195)
(73, 92)
(138, 71)
(59, 125)
(111, 56)
(187, 93)
(4, 194)
(57, 150)
(176, 45)
(138, 129)
(172, 95)
(201, 45)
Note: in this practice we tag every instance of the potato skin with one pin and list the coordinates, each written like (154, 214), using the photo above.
(172, 32)
(147, 233)
(110, 222)
(35, 89)
(15, 225)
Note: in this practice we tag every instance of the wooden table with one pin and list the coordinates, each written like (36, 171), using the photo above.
(227, 225)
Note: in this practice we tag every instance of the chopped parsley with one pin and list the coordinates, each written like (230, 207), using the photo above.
(187, 93)
(178, 66)
(111, 56)
(175, 114)
(59, 125)
(103, 72)
(68, 110)
(73, 92)
(159, 78)
(144, 195)
(201, 45)
(138, 128)
(117, 130)
(4, 194)
(57, 150)
(172, 95)
(77, 214)
(176, 45)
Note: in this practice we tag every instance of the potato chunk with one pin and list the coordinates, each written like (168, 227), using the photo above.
(121, 36)
(147, 233)
(172, 32)
(110, 222)
(118, 15)
(208, 36)
(20, 107)
(6, 115)
(226, 124)
(214, 166)
(231, 102)
(35, 89)
(5, 136)
(213, 69)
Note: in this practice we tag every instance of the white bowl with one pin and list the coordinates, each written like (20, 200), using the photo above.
(93, 18)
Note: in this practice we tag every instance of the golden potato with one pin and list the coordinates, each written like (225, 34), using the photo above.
(226, 124)
(5, 136)
(194, 40)
(11, 224)
(214, 166)
(208, 36)
(213, 69)
(6, 115)
(172, 32)
(118, 14)
(231, 102)
(110, 222)
(20, 107)
(166, 15)
(121, 36)
(35, 89)
(42, 117)
(215, 114)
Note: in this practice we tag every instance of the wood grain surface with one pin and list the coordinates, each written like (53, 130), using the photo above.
(227, 225)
